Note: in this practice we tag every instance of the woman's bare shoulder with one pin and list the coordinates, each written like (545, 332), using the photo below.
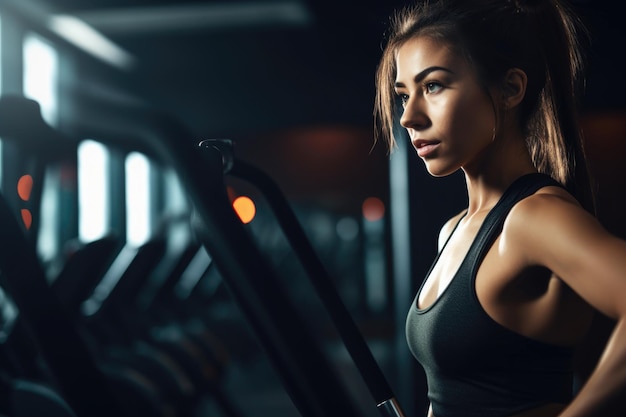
(551, 213)
(551, 229)
(537, 225)
(548, 206)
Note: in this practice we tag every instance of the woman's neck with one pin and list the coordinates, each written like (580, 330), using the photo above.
(489, 176)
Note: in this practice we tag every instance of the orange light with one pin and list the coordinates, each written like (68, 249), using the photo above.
(245, 209)
(27, 218)
(373, 209)
(25, 186)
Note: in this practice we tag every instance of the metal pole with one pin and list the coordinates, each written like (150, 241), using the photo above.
(320, 278)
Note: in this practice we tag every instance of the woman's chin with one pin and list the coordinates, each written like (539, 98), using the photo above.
(437, 170)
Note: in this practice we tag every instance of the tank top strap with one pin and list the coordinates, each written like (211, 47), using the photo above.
(521, 188)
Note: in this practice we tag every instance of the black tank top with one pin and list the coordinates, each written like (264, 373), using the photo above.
(474, 366)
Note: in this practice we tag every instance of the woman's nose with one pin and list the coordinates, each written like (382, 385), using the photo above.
(414, 115)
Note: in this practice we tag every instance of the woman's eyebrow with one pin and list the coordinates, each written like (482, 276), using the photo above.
(419, 77)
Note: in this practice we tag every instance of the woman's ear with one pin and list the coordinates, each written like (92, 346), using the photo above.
(514, 87)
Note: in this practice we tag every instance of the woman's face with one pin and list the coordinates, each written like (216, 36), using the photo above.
(448, 115)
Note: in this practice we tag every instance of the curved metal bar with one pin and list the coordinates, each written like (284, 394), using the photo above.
(321, 280)
(308, 377)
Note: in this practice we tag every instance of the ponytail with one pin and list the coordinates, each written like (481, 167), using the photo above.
(554, 137)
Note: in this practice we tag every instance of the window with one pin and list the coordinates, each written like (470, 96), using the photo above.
(93, 190)
(138, 199)
(40, 75)
(48, 237)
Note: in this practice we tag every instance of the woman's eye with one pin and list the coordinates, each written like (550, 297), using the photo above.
(433, 87)
(404, 99)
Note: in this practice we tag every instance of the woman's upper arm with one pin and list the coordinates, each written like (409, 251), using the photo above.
(555, 232)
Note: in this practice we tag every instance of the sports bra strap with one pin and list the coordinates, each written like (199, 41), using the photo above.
(521, 188)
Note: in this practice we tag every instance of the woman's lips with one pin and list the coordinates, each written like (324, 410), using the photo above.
(425, 147)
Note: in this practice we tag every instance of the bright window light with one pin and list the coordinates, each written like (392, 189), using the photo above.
(40, 75)
(137, 199)
(47, 243)
(93, 190)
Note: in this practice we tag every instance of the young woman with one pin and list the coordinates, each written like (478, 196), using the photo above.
(491, 87)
